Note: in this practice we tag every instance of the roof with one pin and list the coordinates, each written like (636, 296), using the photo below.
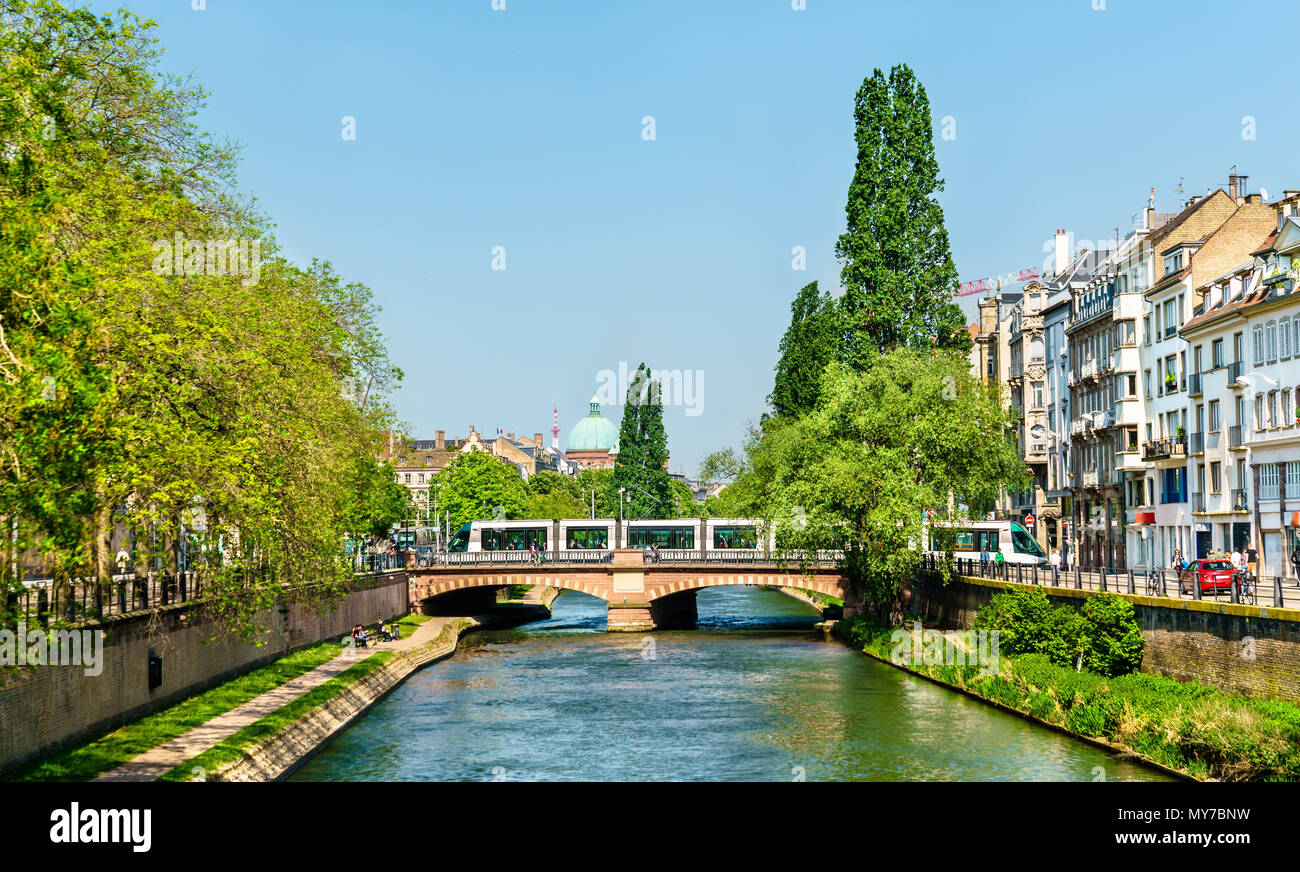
(593, 433)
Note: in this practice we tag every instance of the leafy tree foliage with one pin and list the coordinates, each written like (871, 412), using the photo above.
(640, 468)
(155, 399)
(897, 273)
(598, 484)
(916, 433)
(813, 340)
(475, 484)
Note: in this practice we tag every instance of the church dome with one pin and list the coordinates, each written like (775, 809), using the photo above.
(594, 432)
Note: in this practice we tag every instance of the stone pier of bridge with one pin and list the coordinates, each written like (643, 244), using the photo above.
(641, 596)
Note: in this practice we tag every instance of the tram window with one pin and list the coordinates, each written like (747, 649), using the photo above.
(597, 537)
(514, 540)
(460, 542)
(1024, 543)
(662, 537)
(734, 537)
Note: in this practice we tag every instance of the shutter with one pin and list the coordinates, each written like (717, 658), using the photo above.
(1285, 328)
(1257, 338)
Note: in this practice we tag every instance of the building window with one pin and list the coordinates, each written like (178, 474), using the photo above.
(1038, 395)
(1268, 479)
(408, 478)
(1288, 411)
(1257, 337)
(1270, 341)
(1284, 338)
(1293, 477)
(1216, 477)
(1146, 329)
(1217, 353)
(1214, 416)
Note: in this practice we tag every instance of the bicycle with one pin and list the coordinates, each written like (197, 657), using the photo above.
(1153, 582)
(1245, 588)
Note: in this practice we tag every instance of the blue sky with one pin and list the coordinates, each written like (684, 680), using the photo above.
(523, 129)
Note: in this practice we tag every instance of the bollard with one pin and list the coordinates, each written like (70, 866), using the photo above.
(1162, 589)
(1196, 588)
(1020, 579)
(1078, 578)
(1234, 589)
(1103, 579)
(1035, 574)
(1277, 591)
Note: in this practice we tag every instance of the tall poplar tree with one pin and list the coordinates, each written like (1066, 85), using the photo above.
(640, 467)
(897, 270)
(810, 342)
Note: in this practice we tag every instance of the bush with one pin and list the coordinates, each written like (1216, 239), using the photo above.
(1114, 639)
(1066, 636)
(1020, 617)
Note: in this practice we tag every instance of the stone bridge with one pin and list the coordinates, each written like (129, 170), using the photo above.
(641, 596)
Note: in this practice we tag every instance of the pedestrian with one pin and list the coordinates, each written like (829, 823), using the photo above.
(123, 559)
(1055, 559)
(1236, 559)
(1295, 561)
(984, 554)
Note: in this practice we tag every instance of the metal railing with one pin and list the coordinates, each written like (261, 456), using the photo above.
(667, 556)
(1276, 591)
(1196, 443)
(1236, 434)
(1194, 385)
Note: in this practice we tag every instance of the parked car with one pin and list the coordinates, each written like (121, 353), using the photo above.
(1213, 576)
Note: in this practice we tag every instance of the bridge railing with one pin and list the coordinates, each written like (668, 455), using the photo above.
(594, 556)
(1273, 591)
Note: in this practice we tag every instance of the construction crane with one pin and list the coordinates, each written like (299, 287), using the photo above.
(989, 283)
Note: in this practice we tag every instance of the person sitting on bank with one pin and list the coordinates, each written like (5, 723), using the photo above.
(359, 636)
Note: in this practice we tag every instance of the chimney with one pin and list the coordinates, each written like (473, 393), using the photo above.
(440, 439)
(537, 439)
(510, 436)
(1253, 199)
(1062, 252)
(1232, 186)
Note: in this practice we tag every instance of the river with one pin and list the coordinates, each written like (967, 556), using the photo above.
(752, 694)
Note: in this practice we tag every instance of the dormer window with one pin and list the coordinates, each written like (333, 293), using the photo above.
(1174, 262)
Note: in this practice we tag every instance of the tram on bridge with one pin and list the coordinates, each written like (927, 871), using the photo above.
(593, 540)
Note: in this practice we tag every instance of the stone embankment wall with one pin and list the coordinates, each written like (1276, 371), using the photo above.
(43, 708)
(1249, 650)
(293, 745)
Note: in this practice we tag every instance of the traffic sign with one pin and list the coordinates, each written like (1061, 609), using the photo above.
(1029, 521)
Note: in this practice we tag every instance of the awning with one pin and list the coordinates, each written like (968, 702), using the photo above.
(1145, 517)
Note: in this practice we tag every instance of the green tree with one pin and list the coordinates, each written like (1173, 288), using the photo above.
(156, 397)
(475, 484)
(554, 496)
(915, 433)
(597, 485)
(898, 273)
(640, 468)
(813, 339)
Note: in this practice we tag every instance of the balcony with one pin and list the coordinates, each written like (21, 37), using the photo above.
(1239, 502)
(1171, 385)
(1235, 371)
(1091, 478)
(1103, 420)
(1089, 369)
(1081, 426)
(1236, 437)
(1165, 449)
(1194, 385)
(1198, 502)
(1196, 445)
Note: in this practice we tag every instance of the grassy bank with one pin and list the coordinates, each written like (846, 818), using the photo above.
(233, 747)
(1189, 727)
(124, 744)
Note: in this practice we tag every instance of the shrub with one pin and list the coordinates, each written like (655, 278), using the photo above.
(1020, 617)
(1114, 640)
(1066, 635)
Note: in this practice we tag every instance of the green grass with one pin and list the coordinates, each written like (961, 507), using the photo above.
(124, 744)
(233, 747)
(411, 622)
(1186, 726)
(823, 600)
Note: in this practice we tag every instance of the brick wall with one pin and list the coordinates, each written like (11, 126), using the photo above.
(45, 708)
(1249, 650)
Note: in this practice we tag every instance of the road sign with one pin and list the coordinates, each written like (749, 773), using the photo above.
(1029, 521)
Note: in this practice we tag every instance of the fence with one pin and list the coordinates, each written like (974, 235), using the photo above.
(1274, 590)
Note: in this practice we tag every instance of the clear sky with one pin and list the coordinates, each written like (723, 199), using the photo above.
(523, 128)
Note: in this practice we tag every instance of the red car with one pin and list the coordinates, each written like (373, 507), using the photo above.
(1214, 576)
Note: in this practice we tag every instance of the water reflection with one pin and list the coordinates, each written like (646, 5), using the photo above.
(753, 695)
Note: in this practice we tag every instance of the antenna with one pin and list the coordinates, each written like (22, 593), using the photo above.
(1179, 190)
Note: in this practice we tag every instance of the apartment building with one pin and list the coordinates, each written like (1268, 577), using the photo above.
(1245, 443)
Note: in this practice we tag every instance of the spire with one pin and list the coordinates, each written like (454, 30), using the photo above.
(555, 424)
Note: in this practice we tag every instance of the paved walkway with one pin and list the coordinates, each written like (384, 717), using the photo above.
(160, 760)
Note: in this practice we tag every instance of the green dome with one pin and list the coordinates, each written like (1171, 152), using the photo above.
(594, 432)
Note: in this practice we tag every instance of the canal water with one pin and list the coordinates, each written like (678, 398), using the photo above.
(752, 694)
